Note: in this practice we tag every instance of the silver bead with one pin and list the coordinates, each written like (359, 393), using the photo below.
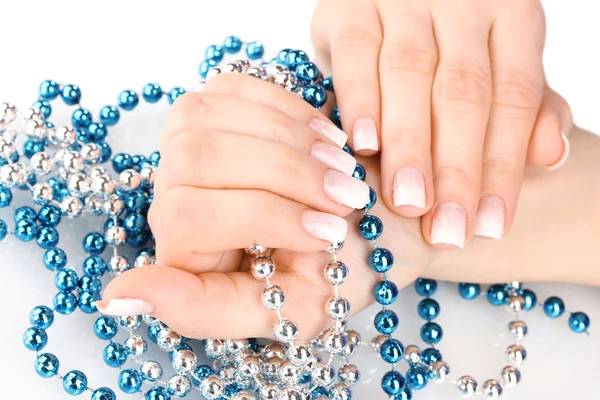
(91, 152)
(312, 362)
(257, 72)
(71, 206)
(269, 391)
(42, 193)
(354, 338)
(198, 87)
(168, 339)
(151, 370)
(12, 175)
(518, 329)
(72, 161)
(341, 391)
(244, 395)
(290, 393)
(227, 373)
(142, 260)
(179, 385)
(65, 135)
(285, 330)
(184, 361)
(289, 373)
(231, 67)
(102, 185)
(214, 71)
(93, 204)
(131, 322)
(335, 342)
(41, 163)
(332, 248)
(35, 129)
(516, 353)
(257, 251)
(272, 365)
(380, 339)
(492, 389)
(299, 353)
(516, 303)
(274, 349)
(349, 374)
(115, 236)
(214, 348)
(350, 349)
(440, 370)
(298, 91)
(511, 376)
(212, 387)
(337, 308)
(273, 297)
(336, 272)
(466, 385)
(130, 179)
(136, 345)
(78, 184)
(244, 64)
(6, 148)
(8, 133)
(96, 172)
(8, 113)
(235, 346)
(33, 114)
(274, 70)
(148, 173)
(249, 367)
(150, 320)
(263, 268)
(323, 374)
(113, 205)
(118, 264)
(286, 80)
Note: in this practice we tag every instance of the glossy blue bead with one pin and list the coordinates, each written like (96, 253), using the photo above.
(103, 393)
(26, 230)
(25, 213)
(469, 291)
(106, 152)
(35, 339)
(425, 287)
(554, 307)
(497, 295)
(47, 237)
(31, 180)
(215, 53)
(3, 229)
(64, 303)
(46, 365)
(391, 351)
(135, 201)
(154, 158)
(385, 292)
(49, 216)
(157, 393)
(406, 394)
(348, 150)
(109, 115)
(431, 333)
(579, 322)
(282, 56)
(428, 309)
(328, 84)
(431, 355)
(42, 317)
(153, 332)
(128, 100)
(138, 240)
(130, 381)
(530, 299)
(307, 73)
(30, 147)
(5, 196)
(152, 93)
(71, 94)
(255, 50)
(202, 372)
(66, 279)
(175, 93)
(381, 260)
(96, 132)
(315, 95)
(295, 57)
(232, 44)
(416, 378)
(49, 90)
(43, 107)
(205, 66)
(392, 383)
(115, 355)
(87, 302)
(121, 162)
(94, 266)
(135, 223)
(94, 243)
(335, 118)
(370, 227)
(318, 392)
(137, 161)
(81, 118)
(372, 199)
(359, 172)
(105, 327)
(75, 382)
(386, 322)
(55, 259)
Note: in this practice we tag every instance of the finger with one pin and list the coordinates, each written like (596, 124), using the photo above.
(406, 67)
(516, 54)
(460, 104)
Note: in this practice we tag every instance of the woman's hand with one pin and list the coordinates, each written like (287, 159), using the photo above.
(453, 93)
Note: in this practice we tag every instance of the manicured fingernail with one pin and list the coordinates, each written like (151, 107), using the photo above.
(324, 226)
(333, 157)
(125, 307)
(490, 217)
(364, 134)
(565, 154)
(409, 188)
(346, 190)
(330, 131)
(449, 225)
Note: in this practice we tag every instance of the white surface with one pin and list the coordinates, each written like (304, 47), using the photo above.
(108, 46)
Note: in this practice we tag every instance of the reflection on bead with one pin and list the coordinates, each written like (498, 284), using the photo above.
(336, 272)
(518, 329)
(392, 383)
(381, 260)
(530, 299)
(392, 351)
(386, 322)
(425, 287)
(273, 297)
(431, 355)
(511, 376)
(492, 389)
(516, 353)
(466, 385)
(385, 292)
(439, 371)
(115, 355)
(416, 378)
(42, 317)
(105, 327)
(554, 307)
(469, 291)
(497, 295)
(75, 382)
(130, 381)
(428, 309)
(431, 333)
(35, 339)
(103, 393)
(579, 322)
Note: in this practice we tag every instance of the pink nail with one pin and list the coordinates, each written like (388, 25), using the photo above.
(449, 225)
(324, 226)
(126, 307)
(365, 135)
(330, 131)
(490, 217)
(409, 188)
(565, 154)
(333, 157)
(346, 190)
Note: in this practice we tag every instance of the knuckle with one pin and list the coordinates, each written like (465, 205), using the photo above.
(228, 83)
(518, 95)
(409, 57)
(408, 138)
(187, 157)
(465, 175)
(502, 170)
(467, 84)
(356, 37)
(280, 128)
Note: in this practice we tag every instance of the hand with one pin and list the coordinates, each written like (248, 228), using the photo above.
(454, 94)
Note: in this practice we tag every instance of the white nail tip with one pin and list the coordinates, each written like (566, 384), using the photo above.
(126, 307)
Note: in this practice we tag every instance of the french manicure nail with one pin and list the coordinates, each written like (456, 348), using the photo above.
(330, 131)
(490, 217)
(324, 226)
(449, 225)
(409, 188)
(126, 307)
(565, 153)
(333, 157)
(364, 134)
(346, 190)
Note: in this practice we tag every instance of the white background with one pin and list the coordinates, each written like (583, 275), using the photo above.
(108, 46)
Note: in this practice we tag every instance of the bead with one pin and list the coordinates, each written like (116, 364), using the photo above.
(214, 53)
(518, 329)
(66, 279)
(46, 365)
(105, 327)
(157, 393)
(290, 393)
(286, 80)
(109, 115)
(431, 355)
(341, 391)
(255, 50)
(87, 302)
(273, 297)
(71, 206)
(94, 266)
(41, 317)
(257, 251)
(530, 299)
(516, 302)
(315, 95)
(428, 309)
(115, 355)
(466, 385)
(49, 216)
(392, 351)
(469, 291)
(372, 199)
(370, 227)
(516, 353)
(103, 393)
(206, 66)
(295, 57)
(174, 94)
(26, 230)
(285, 330)
(385, 292)
(93, 243)
(386, 322)
(262, 268)
(35, 339)
(5, 196)
(168, 339)
(328, 84)
(214, 348)
(97, 133)
(132, 322)
(136, 345)
(288, 373)
(307, 73)
(153, 332)
(323, 374)
(128, 100)
(43, 107)
(425, 287)
(554, 307)
(412, 354)
(130, 381)
(381, 260)
(70, 94)
(431, 333)
(47, 237)
(579, 322)
(299, 353)
(337, 308)
(212, 387)
(416, 378)
(151, 371)
(115, 236)
(49, 90)
(335, 342)
(184, 362)
(359, 172)
(3, 229)
(511, 376)
(392, 383)
(81, 118)
(179, 385)
(439, 371)
(492, 389)
(65, 135)
(406, 394)
(75, 382)
(152, 93)
(64, 303)
(336, 272)
(497, 295)
(232, 44)
(349, 374)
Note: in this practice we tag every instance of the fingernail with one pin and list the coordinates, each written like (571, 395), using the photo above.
(364, 134)
(333, 157)
(330, 131)
(125, 307)
(490, 217)
(324, 226)
(564, 156)
(409, 188)
(449, 225)
(346, 190)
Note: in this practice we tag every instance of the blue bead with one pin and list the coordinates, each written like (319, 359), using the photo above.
(71, 94)
(431, 355)
(30, 147)
(372, 199)
(386, 322)
(202, 372)
(49, 216)
(31, 180)
(130, 381)
(425, 287)
(307, 73)
(26, 230)
(214, 53)
(392, 383)
(47, 237)
(128, 100)
(75, 382)
(49, 90)
(406, 394)
(46, 365)
(43, 107)
(175, 93)
(255, 50)
(328, 84)
(232, 44)
(96, 132)
(153, 332)
(282, 56)
(135, 201)
(318, 392)
(579, 322)
(94, 243)
(66, 279)
(469, 291)
(391, 351)
(138, 240)
(106, 152)
(359, 172)
(205, 66)
(530, 299)
(554, 307)
(428, 309)
(105, 327)
(381, 260)
(157, 393)
(152, 93)
(135, 223)
(295, 57)
(94, 266)
(431, 333)
(497, 295)
(416, 378)
(137, 161)
(370, 227)
(64, 303)
(87, 302)
(3, 229)
(385, 292)
(81, 118)
(109, 115)
(154, 158)
(42, 317)
(55, 259)
(35, 339)
(25, 213)
(121, 162)
(315, 95)
(103, 393)
(5, 196)
(115, 355)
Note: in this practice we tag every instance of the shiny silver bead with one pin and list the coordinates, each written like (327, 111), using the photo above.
(334, 247)
(257, 251)
(286, 80)
(115, 236)
(244, 64)
(349, 374)
(151, 370)
(33, 114)
(150, 320)
(336, 272)
(290, 393)
(516, 353)
(380, 339)
(42, 193)
(492, 389)
(337, 308)
(273, 297)
(91, 152)
(130, 179)
(35, 129)
(289, 373)
(341, 391)
(8, 113)
(350, 350)
(439, 371)
(249, 367)
(214, 348)
(113, 205)
(312, 362)
(466, 385)
(212, 387)
(235, 346)
(335, 342)
(198, 87)
(179, 385)
(6, 148)
(72, 161)
(274, 349)
(41, 163)
(118, 264)
(274, 70)
(136, 345)
(285, 330)
(131, 322)
(102, 185)
(244, 395)
(518, 329)
(148, 173)
(511, 376)
(8, 133)
(323, 374)
(231, 67)
(95, 172)
(299, 353)
(516, 303)
(257, 72)
(71, 206)
(167, 339)
(78, 184)
(184, 362)
(298, 91)
(272, 365)
(12, 175)
(262, 268)
(354, 338)
(65, 135)
(142, 260)
(269, 391)
(228, 373)
(214, 71)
